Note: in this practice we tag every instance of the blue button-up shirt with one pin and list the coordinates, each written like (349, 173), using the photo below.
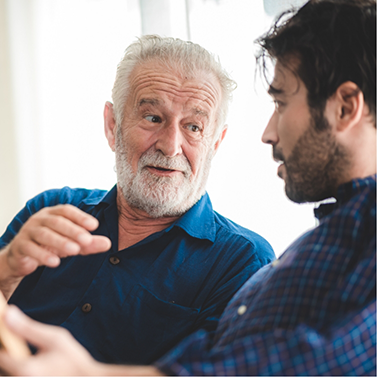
(311, 312)
(133, 305)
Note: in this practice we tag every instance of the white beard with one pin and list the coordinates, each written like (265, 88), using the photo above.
(159, 196)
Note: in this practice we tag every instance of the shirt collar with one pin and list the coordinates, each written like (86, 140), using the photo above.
(109, 198)
(198, 221)
(345, 192)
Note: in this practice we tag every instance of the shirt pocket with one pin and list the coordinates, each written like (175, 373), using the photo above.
(155, 322)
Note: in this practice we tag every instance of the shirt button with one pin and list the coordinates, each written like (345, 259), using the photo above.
(242, 309)
(114, 260)
(275, 262)
(86, 308)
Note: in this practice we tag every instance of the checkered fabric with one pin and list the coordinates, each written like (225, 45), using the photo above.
(311, 312)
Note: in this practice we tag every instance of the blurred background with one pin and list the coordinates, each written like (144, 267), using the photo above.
(58, 60)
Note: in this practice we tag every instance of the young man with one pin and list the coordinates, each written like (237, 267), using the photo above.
(313, 311)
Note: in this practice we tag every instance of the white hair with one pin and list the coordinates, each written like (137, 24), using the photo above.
(186, 58)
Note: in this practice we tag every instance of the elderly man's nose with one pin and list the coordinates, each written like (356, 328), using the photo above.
(270, 135)
(170, 140)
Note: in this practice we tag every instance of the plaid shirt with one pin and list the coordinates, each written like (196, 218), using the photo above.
(311, 312)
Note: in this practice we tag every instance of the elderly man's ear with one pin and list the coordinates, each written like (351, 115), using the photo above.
(221, 138)
(110, 125)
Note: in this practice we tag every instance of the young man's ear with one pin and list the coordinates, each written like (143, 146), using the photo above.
(110, 125)
(349, 104)
(221, 137)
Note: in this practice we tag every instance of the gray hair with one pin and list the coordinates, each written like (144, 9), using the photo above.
(184, 57)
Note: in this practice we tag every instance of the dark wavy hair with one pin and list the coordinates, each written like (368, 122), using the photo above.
(335, 42)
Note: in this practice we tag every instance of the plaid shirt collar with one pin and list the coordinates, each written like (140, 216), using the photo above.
(345, 192)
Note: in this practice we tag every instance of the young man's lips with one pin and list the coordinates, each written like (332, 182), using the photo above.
(280, 169)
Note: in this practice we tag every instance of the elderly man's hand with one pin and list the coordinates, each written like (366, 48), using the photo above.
(48, 235)
(58, 353)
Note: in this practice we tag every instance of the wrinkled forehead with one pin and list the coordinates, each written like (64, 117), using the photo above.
(155, 78)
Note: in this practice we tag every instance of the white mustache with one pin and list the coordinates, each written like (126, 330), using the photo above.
(157, 159)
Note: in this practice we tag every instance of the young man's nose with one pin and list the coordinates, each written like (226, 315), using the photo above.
(270, 135)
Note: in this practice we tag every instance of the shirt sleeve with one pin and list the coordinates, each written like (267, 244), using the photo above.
(348, 347)
(45, 199)
(16, 224)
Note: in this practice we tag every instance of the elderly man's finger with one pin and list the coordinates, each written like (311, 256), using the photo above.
(66, 221)
(34, 254)
(76, 215)
(99, 244)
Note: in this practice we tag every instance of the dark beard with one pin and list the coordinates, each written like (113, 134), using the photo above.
(316, 165)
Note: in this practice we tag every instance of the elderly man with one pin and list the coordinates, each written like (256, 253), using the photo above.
(313, 311)
(173, 263)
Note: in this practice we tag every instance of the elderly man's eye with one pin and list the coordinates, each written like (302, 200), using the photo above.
(153, 118)
(193, 128)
